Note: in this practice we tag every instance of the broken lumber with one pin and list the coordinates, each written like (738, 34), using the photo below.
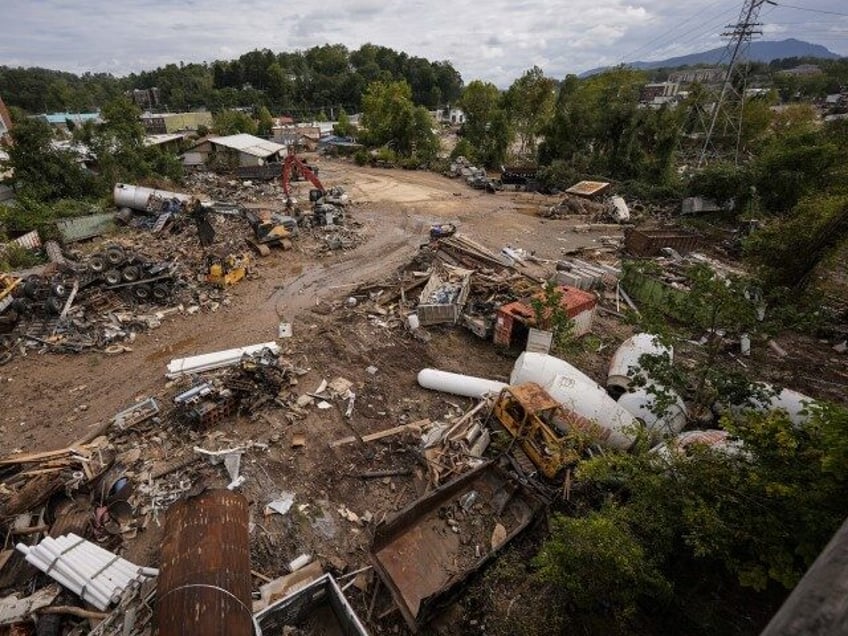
(413, 426)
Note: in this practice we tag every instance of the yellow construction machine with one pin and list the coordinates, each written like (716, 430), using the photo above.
(224, 271)
(547, 433)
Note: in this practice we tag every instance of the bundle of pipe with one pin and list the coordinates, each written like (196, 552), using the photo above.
(205, 583)
(216, 359)
(96, 575)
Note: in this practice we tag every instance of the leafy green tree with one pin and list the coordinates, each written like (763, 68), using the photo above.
(232, 122)
(43, 171)
(598, 564)
(265, 126)
(487, 126)
(529, 103)
(391, 119)
(343, 127)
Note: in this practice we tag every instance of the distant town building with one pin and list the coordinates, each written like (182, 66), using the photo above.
(701, 75)
(169, 123)
(167, 142)
(5, 123)
(449, 115)
(146, 98)
(659, 93)
(802, 70)
(67, 121)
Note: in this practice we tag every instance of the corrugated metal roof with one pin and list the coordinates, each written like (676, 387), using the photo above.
(588, 188)
(248, 144)
(157, 140)
(82, 227)
(77, 118)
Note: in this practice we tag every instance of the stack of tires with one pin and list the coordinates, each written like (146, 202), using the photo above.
(118, 269)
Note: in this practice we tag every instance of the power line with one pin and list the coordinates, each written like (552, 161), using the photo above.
(809, 9)
(664, 37)
(733, 87)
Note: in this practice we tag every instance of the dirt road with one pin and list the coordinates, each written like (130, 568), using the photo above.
(51, 400)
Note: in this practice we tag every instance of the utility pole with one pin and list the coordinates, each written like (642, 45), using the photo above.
(731, 99)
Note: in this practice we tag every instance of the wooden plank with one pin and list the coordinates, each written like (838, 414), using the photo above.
(414, 426)
(24, 458)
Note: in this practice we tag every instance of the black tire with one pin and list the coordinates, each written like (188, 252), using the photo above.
(131, 273)
(142, 292)
(58, 290)
(97, 263)
(112, 277)
(55, 305)
(31, 286)
(115, 255)
(160, 293)
(21, 305)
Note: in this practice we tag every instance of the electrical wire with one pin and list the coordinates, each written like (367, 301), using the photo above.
(809, 9)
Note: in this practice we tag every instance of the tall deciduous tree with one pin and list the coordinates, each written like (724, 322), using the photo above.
(529, 103)
(391, 119)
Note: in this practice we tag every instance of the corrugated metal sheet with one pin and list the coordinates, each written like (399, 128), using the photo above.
(79, 228)
(248, 144)
(588, 188)
(30, 240)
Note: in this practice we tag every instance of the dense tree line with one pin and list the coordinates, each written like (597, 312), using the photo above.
(302, 83)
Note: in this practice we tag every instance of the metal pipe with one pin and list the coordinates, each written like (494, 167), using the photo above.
(205, 583)
(136, 197)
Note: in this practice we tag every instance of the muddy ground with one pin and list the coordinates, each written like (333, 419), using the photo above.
(49, 400)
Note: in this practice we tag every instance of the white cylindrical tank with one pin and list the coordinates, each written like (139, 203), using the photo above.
(542, 369)
(457, 383)
(591, 402)
(136, 197)
(639, 403)
(795, 404)
(625, 361)
(714, 438)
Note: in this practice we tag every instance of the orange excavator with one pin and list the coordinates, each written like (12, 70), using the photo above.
(293, 169)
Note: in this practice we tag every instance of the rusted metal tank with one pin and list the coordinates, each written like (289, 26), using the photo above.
(204, 581)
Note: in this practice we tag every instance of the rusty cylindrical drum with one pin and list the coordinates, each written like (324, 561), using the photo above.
(204, 580)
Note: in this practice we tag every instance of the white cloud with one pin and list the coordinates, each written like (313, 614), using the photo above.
(494, 40)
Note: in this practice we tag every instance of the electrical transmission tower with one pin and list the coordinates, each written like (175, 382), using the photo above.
(726, 117)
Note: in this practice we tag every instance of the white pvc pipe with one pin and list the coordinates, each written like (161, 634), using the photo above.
(120, 572)
(625, 362)
(80, 570)
(458, 384)
(542, 369)
(63, 574)
(96, 552)
(110, 580)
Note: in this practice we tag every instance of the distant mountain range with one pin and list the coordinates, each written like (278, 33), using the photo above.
(757, 52)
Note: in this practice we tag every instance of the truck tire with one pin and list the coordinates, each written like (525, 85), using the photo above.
(115, 255)
(131, 273)
(31, 286)
(55, 305)
(112, 277)
(160, 293)
(58, 290)
(97, 263)
(142, 292)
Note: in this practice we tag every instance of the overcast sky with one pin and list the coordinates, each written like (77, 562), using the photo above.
(495, 40)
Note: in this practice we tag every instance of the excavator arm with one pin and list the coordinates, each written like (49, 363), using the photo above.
(293, 162)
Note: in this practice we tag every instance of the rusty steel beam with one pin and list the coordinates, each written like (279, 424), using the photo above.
(204, 581)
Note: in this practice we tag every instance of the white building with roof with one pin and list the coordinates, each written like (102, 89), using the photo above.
(234, 151)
